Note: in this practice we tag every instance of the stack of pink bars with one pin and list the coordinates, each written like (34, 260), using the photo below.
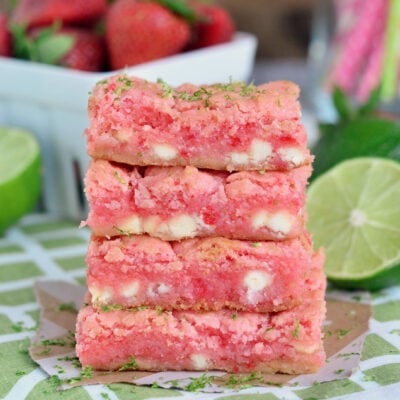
(199, 258)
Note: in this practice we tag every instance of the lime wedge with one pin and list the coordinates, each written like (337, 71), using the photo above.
(19, 174)
(354, 213)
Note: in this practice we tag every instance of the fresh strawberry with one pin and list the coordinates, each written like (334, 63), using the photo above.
(74, 48)
(214, 26)
(5, 36)
(44, 12)
(88, 52)
(138, 31)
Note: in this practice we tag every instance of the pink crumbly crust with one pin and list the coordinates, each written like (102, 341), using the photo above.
(288, 341)
(219, 203)
(203, 124)
(202, 274)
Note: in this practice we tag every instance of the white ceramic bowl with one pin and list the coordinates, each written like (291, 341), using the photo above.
(51, 102)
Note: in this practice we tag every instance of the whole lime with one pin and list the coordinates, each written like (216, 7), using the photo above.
(20, 177)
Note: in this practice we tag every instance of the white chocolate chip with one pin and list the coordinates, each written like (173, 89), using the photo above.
(182, 226)
(179, 227)
(150, 224)
(306, 349)
(131, 289)
(122, 135)
(159, 288)
(163, 288)
(239, 158)
(292, 155)
(102, 296)
(260, 150)
(256, 281)
(199, 361)
(280, 222)
(164, 152)
(260, 219)
(132, 224)
(150, 291)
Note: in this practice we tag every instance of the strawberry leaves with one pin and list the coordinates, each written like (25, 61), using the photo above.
(46, 46)
(181, 8)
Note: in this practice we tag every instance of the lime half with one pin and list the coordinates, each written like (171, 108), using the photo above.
(19, 174)
(354, 213)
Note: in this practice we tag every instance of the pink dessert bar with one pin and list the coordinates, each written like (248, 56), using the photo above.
(288, 341)
(202, 274)
(173, 203)
(229, 126)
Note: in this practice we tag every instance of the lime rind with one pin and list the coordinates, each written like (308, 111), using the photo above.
(387, 277)
(354, 212)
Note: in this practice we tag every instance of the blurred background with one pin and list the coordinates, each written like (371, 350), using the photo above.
(282, 26)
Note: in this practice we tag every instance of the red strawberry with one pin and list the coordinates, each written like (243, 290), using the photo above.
(215, 26)
(44, 12)
(74, 48)
(87, 53)
(137, 32)
(5, 36)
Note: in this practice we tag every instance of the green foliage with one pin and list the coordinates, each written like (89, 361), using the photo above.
(47, 46)
(359, 132)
